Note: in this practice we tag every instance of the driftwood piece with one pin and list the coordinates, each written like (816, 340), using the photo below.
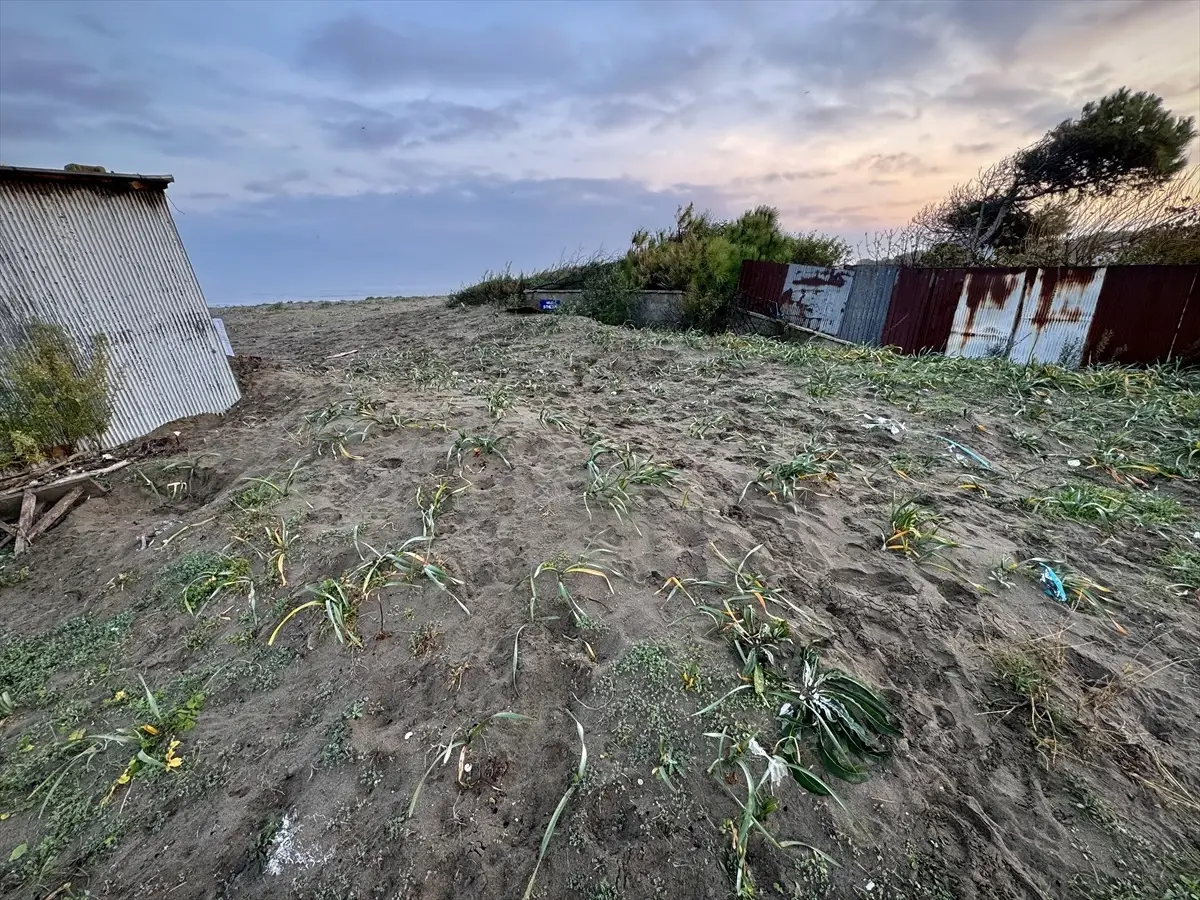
(57, 511)
(25, 522)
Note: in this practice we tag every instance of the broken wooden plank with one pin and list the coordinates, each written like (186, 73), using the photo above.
(24, 477)
(57, 511)
(25, 522)
(48, 493)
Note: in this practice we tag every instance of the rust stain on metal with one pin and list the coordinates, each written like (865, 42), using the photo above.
(836, 278)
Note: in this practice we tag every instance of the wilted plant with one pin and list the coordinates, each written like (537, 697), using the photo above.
(330, 596)
(576, 780)
(227, 573)
(913, 531)
(1081, 503)
(668, 766)
(610, 485)
(403, 566)
(702, 426)
(1028, 441)
(1123, 467)
(1184, 565)
(759, 642)
(1026, 675)
(434, 504)
(355, 405)
(562, 565)
(499, 399)
(263, 490)
(180, 476)
(336, 441)
(551, 418)
(790, 477)
(280, 540)
(460, 740)
(477, 446)
(760, 801)
(847, 721)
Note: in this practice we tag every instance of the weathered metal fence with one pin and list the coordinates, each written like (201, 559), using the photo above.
(1069, 315)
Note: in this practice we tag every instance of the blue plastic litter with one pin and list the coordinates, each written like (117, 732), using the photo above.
(1052, 585)
(975, 457)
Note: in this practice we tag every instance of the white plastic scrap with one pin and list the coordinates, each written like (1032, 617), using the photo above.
(890, 425)
(776, 768)
(286, 849)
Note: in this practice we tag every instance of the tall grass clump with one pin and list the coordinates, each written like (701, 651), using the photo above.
(504, 287)
(53, 396)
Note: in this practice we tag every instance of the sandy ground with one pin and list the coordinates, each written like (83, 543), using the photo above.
(301, 760)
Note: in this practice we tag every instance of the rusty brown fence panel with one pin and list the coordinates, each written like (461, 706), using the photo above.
(923, 305)
(760, 286)
(1146, 314)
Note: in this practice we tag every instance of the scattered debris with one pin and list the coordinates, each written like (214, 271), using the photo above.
(54, 499)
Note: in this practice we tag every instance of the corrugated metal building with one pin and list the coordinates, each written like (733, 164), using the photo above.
(98, 253)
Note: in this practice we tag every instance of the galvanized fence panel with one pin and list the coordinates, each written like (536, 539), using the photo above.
(815, 297)
(867, 305)
(1069, 315)
(1054, 321)
(988, 310)
(924, 302)
(103, 260)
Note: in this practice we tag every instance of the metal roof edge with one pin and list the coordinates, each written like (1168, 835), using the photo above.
(84, 177)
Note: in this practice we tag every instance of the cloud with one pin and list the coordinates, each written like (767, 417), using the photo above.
(276, 184)
(369, 54)
(975, 149)
(488, 121)
(411, 124)
(897, 164)
(35, 69)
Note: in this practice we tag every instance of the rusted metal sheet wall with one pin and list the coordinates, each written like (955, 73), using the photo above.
(1053, 323)
(815, 297)
(104, 260)
(760, 286)
(1146, 314)
(924, 302)
(988, 310)
(867, 304)
(1069, 316)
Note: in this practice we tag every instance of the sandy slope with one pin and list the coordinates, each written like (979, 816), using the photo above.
(304, 759)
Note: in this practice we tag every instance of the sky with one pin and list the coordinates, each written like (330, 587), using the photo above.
(343, 149)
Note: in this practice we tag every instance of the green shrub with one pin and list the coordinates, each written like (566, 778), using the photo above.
(608, 296)
(701, 256)
(54, 397)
